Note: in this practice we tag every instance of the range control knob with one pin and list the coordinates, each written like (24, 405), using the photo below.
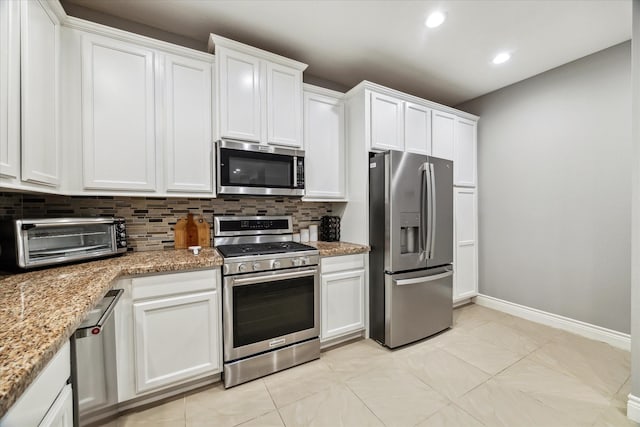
(256, 266)
(304, 261)
(123, 243)
(242, 268)
(295, 261)
(120, 226)
(276, 264)
(123, 235)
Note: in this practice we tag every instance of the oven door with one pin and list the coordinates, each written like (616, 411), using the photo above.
(255, 169)
(269, 310)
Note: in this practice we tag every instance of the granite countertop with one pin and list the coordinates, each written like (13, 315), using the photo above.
(40, 310)
(339, 248)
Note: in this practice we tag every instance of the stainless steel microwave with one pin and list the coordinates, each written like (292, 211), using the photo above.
(31, 243)
(260, 170)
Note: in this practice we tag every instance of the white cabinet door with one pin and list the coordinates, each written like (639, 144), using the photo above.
(39, 98)
(239, 95)
(188, 141)
(61, 412)
(9, 88)
(342, 303)
(324, 147)
(175, 338)
(417, 129)
(38, 399)
(118, 115)
(442, 134)
(284, 105)
(465, 279)
(386, 122)
(464, 149)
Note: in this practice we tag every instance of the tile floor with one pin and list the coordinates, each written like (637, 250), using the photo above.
(491, 369)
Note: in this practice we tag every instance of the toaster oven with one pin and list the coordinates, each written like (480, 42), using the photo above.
(31, 243)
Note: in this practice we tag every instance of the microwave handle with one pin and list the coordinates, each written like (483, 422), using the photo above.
(295, 171)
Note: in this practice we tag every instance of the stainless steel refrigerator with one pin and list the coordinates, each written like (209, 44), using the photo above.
(411, 239)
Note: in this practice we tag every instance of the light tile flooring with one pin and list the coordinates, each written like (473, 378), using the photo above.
(491, 369)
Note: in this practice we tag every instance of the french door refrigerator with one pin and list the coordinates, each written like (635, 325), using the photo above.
(411, 239)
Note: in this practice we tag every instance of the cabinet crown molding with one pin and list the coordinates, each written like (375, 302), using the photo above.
(365, 84)
(128, 37)
(319, 90)
(216, 40)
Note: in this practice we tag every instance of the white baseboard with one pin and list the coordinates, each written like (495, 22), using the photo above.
(611, 337)
(633, 408)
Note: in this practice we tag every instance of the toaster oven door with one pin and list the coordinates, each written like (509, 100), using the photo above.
(54, 243)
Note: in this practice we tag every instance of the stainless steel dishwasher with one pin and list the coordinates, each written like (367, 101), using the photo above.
(93, 362)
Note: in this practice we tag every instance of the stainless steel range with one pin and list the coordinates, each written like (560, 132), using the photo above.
(270, 295)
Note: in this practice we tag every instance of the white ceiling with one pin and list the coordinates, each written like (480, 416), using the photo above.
(386, 41)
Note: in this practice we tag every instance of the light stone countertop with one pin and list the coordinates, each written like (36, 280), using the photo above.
(339, 248)
(40, 310)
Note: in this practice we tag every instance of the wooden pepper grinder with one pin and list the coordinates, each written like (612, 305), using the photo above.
(192, 231)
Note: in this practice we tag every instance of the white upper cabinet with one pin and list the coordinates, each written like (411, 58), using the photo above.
(464, 149)
(260, 94)
(386, 122)
(39, 93)
(442, 134)
(9, 88)
(417, 129)
(118, 115)
(284, 105)
(324, 143)
(239, 95)
(188, 136)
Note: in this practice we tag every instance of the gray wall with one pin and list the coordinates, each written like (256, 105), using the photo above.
(554, 185)
(635, 253)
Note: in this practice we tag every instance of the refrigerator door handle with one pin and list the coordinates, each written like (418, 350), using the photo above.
(423, 236)
(432, 226)
(417, 280)
(428, 231)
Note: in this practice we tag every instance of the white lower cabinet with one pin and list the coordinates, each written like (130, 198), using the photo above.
(175, 339)
(465, 257)
(61, 412)
(47, 402)
(342, 306)
(168, 331)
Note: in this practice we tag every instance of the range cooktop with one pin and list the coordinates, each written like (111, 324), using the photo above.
(246, 249)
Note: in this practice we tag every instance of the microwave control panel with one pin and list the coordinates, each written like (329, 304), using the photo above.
(299, 172)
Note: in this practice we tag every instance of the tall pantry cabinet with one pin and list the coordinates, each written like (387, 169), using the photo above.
(465, 208)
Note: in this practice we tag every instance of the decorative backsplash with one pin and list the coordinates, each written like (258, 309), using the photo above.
(150, 221)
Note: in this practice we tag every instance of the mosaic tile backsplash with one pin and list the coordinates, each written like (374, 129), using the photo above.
(150, 221)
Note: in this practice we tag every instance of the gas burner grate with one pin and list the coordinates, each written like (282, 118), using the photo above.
(229, 251)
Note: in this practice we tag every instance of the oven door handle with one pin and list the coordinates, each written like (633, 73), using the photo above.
(273, 277)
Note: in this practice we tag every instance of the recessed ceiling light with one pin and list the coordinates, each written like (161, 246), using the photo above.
(435, 19)
(501, 58)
